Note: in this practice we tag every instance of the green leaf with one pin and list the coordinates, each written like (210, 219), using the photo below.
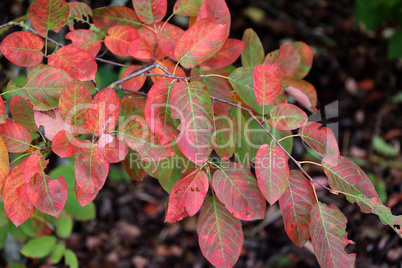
(253, 52)
(39, 247)
(78, 212)
(384, 148)
(70, 258)
(394, 46)
(57, 253)
(64, 225)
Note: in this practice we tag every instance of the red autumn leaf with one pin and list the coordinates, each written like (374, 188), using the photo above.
(90, 168)
(267, 83)
(47, 194)
(22, 112)
(150, 11)
(119, 38)
(48, 15)
(4, 163)
(168, 37)
(85, 40)
(135, 83)
(302, 91)
(228, 54)
(296, 204)
(64, 144)
(140, 50)
(187, 195)
(321, 139)
(79, 10)
(22, 48)
(190, 102)
(53, 123)
(220, 234)
(103, 114)
(253, 52)
(114, 151)
(84, 198)
(16, 138)
(226, 136)
(306, 58)
(216, 9)
(35, 164)
(15, 209)
(106, 17)
(187, 7)
(3, 113)
(74, 101)
(129, 107)
(23, 195)
(157, 111)
(287, 58)
(272, 172)
(329, 238)
(200, 42)
(217, 87)
(76, 62)
(348, 178)
(237, 189)
(43, 86)
(138, 137)
(287, 117)
(170, 66)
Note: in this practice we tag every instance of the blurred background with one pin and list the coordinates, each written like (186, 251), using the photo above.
(357, 73)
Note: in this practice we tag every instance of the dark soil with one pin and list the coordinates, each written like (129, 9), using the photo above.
(350, 72)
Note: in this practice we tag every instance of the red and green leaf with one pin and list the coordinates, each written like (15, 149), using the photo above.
(200, 42)
(302, 91)
(15, 208)
(237, 189)
(64, 144)
(129, 107)
(217, 87)
(4, 163)
(106, 17)
(287, 58)
(16, 138)
(272, 172)
(220, 234)
(75, 61)
(296, 204)
(321, 139)
(84, 198)
(228, 54)
(267, 83)
(79, 10)
(157, 111)
(85, 40)
(47, 194)
(132, 165)
(135, 83)
(22, 48)
(226, 136)
(187, 195)
(348, 178)
(140, 50)
(187, 7)
(329, 238)
(48, 15)
(253, 52)
(119, 39)
(114, 151)
(22, 112)
(43, 86)
(3, 113)
(103, 114)
(168, 37)
(190, 102)
(90, 168)
(74, 102)
(35, 164)
(150, 11)
(306, 58)
(138, 137)
(287, 117)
